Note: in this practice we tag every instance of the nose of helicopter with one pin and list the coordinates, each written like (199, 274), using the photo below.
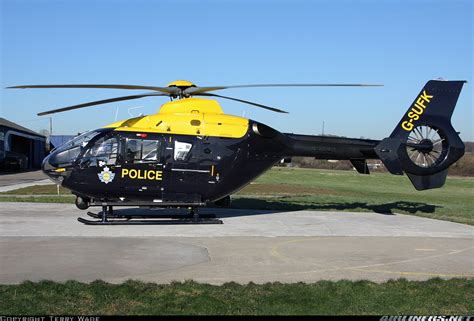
(54, 173)
(46, 166)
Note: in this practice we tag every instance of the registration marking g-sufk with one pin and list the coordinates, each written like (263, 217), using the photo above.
(416, 110)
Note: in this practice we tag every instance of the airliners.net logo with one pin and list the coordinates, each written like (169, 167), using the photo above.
(427, 318)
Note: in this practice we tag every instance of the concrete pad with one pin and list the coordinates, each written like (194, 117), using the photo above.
(39, 219)
(44, 241)
(12, 181)
(89, 259)
(23, 185)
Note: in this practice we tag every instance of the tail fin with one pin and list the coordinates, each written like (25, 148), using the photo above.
(424, 143)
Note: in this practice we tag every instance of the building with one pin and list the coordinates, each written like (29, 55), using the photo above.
(20, 147)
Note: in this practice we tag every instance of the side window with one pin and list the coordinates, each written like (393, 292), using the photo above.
(141, 151)
(104, 150)
(181, 150)
(150, 150)
(132, 150)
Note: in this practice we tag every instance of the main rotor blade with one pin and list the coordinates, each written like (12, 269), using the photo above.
(195, 90)
(99, 102)
(168, 90)
(245, 102)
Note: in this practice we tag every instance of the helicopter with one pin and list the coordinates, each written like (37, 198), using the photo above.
(191, 154)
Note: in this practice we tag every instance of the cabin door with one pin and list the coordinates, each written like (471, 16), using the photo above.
(184, 179)
(141, 172)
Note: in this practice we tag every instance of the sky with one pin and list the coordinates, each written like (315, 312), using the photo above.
(400, 44)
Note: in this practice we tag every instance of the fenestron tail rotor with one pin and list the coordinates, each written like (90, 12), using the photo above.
(426, 146)
(177, 89)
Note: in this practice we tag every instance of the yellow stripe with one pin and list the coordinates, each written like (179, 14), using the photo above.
(212, 170)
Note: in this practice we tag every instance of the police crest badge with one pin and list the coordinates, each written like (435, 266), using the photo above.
(106, 176)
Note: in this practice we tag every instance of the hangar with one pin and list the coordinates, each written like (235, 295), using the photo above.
(20, 147)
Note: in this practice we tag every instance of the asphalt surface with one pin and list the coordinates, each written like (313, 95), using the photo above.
(12, 181)
(45, 241)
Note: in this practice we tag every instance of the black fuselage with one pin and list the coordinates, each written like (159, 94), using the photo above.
(211, 169)
(162, 169)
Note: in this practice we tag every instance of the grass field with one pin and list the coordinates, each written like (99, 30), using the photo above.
(297, 189)
(401, 297)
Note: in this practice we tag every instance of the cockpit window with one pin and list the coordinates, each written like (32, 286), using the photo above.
(105, 150)
(66, 154)
(141, 150)
(80, 140)
(181, 150)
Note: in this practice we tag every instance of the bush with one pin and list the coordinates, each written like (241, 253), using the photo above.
(464, 166)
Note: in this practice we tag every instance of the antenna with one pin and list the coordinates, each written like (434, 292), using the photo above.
(116, 114)
(133, 108)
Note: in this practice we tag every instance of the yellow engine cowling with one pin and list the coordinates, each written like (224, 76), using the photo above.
(190, 116)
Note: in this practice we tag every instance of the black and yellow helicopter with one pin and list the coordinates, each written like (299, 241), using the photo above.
(190, 154)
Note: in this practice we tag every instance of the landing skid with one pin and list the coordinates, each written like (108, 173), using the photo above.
(151, 222)
(108, 217)
(130, 216)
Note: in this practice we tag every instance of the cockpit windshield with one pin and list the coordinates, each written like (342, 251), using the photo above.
(80, 140)
(67, 153)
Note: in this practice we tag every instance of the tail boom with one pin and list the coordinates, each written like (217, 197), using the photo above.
(327, 147)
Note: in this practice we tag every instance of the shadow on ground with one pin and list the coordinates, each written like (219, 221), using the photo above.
(386, 208)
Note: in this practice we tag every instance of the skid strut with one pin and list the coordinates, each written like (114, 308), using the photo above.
(108, 217)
